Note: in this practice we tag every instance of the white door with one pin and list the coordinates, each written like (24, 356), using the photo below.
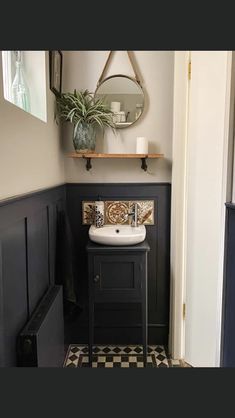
(207, 152)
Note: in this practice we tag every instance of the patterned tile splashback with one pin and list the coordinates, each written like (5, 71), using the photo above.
(116, 212)
(88, 213)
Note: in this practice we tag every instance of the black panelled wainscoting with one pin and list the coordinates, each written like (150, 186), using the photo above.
(114, 323)
(30, 245)
(27, 260)
(228, 317)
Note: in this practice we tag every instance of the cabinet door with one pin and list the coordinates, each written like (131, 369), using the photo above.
(118, 277)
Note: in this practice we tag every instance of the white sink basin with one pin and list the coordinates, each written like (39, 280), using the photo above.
(117, 234)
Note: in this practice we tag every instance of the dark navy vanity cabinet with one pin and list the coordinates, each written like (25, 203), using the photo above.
(117, 274)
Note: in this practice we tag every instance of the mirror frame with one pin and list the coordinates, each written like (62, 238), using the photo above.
(136, 82)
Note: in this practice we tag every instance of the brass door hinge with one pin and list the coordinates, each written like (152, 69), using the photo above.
(189, 70)
(184, 310)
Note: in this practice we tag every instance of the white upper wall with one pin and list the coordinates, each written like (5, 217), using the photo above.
(30, 150)
(81, 70)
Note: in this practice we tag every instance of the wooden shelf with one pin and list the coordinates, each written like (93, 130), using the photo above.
(88, 157)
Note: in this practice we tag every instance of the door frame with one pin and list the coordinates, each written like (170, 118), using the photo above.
(178, 202)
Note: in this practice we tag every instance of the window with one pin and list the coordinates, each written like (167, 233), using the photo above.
(24, 81)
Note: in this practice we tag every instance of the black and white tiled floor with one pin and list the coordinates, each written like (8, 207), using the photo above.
(120, 356)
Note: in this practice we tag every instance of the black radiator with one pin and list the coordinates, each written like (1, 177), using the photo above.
(41, 342)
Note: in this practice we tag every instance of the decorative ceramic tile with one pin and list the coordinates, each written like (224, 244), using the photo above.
(88, 212)
(116, 212)
(99, 214)
(145, 211)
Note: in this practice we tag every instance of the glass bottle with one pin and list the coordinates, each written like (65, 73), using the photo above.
(19, 88)
(138, 111)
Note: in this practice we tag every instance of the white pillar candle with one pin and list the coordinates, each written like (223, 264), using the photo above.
(141, 145)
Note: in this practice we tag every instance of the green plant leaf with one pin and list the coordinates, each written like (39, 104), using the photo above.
(81, 106)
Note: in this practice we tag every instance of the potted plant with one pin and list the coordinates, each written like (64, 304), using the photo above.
(86, 113)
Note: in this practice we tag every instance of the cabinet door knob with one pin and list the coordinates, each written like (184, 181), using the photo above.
(96, 278)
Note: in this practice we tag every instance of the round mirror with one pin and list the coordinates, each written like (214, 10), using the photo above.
(125, 98)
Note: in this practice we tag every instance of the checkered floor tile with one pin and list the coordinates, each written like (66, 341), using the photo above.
(111, 356)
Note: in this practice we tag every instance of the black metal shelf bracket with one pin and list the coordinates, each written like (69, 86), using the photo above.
(144, 165)
(88, 163)
(89, 166)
